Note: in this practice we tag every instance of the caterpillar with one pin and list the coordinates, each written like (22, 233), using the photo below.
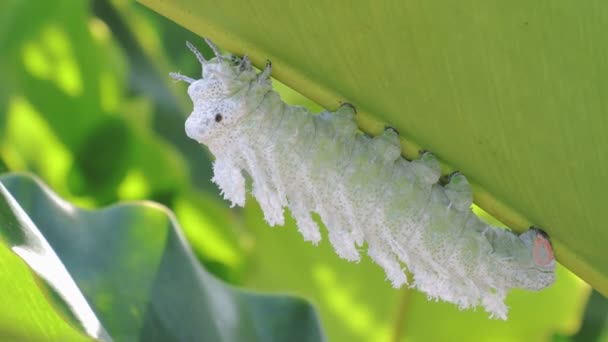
(361, 187)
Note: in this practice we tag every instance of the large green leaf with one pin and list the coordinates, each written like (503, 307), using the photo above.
(510, 93)
(125, 270)
(123, 53)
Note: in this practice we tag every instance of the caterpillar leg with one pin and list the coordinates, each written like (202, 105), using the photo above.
(427, 168)
(244, 63)
(343, 121)
(389, 128)
(265, 74)
(387, 145)
(347, 107)
(458, 191)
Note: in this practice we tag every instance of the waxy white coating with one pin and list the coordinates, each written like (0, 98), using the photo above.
(366, 194)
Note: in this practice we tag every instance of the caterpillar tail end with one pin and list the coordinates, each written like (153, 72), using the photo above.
(543, 248)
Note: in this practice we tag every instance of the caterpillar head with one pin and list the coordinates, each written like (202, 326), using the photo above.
(228, 90)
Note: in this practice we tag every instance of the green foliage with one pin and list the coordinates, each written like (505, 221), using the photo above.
(595, 323)
(510, 94)
(139, 278)
(87, 106)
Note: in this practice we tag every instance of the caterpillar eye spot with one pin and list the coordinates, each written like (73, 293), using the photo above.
(403, 212)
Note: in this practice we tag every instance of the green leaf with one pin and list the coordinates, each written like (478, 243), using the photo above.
(511, 94)
(595, 321)
(125, 270)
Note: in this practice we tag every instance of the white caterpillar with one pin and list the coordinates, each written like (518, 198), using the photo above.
(361, 187)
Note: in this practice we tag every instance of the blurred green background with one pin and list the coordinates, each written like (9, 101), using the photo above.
(86, 104)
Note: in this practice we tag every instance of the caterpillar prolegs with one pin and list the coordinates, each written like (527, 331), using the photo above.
(361, 188)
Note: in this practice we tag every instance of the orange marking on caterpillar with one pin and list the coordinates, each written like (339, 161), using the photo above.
(543, 253)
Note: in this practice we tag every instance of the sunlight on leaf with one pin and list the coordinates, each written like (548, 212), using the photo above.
(108, 92)
(133, 186)
(32, 317)
(204, 234)
(53, 58)
(29, 139)
(35, 60)
(345, 303)
(36, 251)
